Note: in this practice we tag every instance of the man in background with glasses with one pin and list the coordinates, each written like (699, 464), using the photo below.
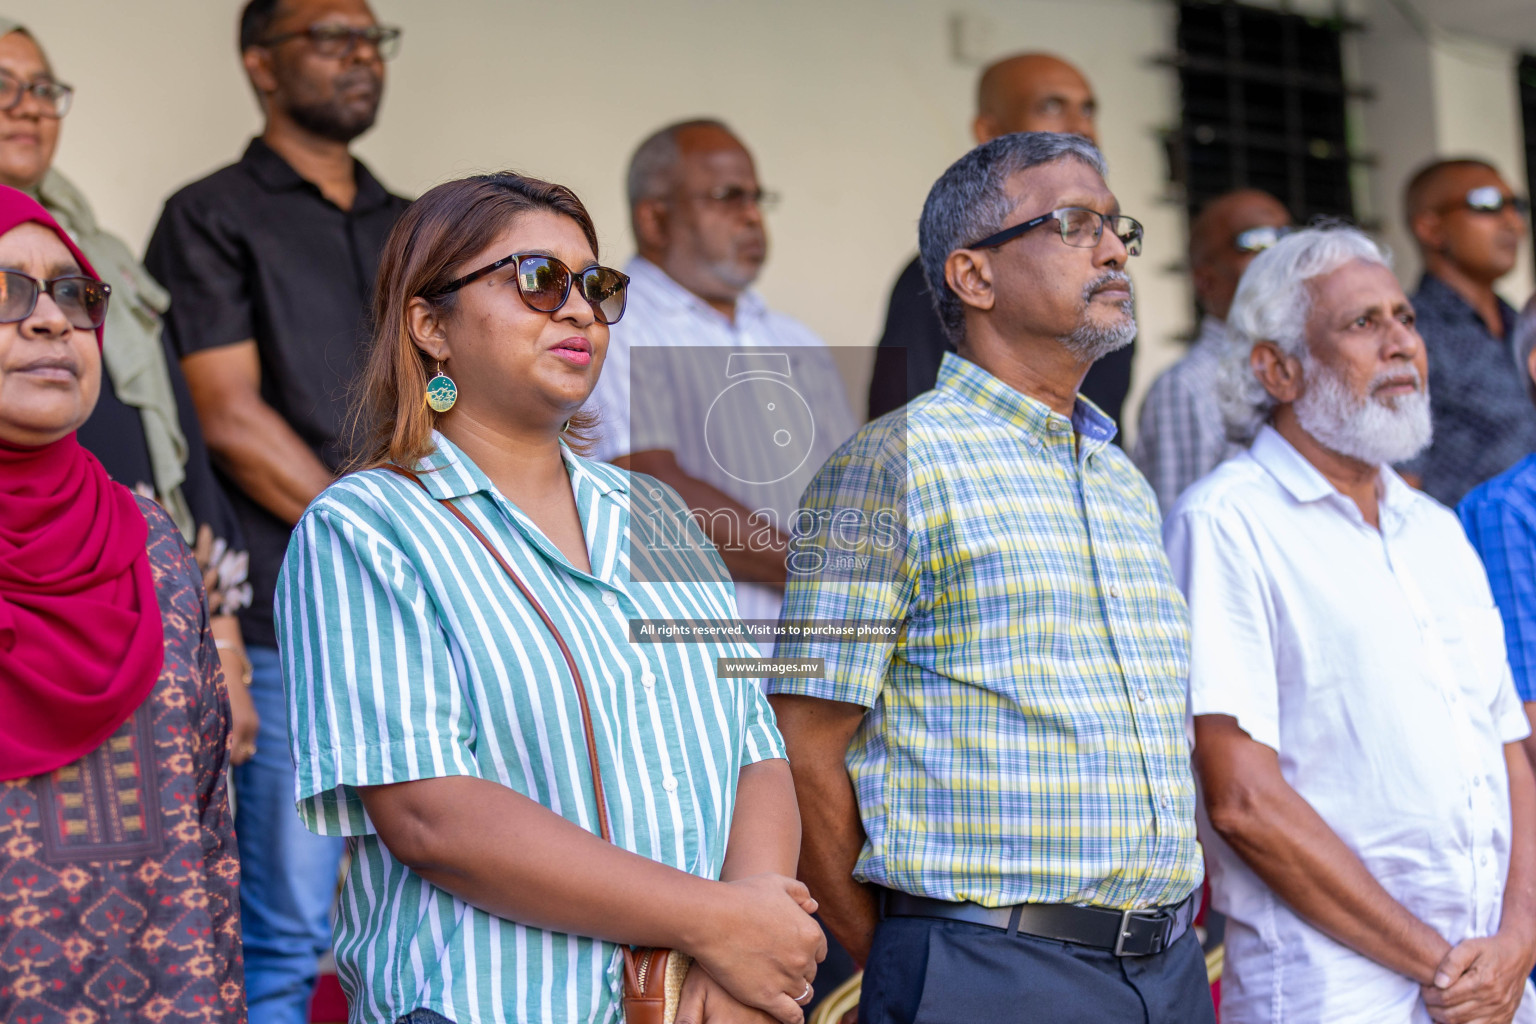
(740, 428)
(998, 809)
(1026, 92)
(1181, 436)
(1469, 226)
(270, 264)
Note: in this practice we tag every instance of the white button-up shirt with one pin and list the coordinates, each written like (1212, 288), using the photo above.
(1373, 663)
(731, 422)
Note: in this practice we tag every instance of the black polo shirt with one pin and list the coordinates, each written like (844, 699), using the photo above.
(253, 251)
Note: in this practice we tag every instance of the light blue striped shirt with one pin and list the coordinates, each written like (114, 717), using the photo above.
(408, 654)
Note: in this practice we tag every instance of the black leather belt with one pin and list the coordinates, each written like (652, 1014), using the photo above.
(1122, 932)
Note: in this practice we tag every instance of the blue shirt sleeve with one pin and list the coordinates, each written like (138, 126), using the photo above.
(1505, 538)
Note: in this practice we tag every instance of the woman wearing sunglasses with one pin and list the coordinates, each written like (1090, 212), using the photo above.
(117, 846)
(472, 698)
(144, 429)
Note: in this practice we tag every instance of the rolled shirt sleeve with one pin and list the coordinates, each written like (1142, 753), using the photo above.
(374, 697)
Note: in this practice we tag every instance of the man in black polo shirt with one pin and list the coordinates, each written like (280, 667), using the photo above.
(270, 263)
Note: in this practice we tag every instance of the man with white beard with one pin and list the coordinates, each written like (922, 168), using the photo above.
(1368, 811)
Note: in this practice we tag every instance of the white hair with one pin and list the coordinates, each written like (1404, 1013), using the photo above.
(1272, 304)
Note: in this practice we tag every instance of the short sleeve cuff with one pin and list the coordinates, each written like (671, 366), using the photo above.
(843, 691)
(327, 797)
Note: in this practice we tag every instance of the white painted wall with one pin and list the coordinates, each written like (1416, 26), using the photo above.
(852, 108)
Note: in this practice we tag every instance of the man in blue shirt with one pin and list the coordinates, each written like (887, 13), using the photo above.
(1500, 518)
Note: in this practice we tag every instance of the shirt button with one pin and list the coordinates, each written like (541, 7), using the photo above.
(1114, 592)
(611, 599)
(1453, 697)
(1477, 780)
(1167, 803)
(1142, 694)
(648, 680)
(1484, 860)
(669, 784)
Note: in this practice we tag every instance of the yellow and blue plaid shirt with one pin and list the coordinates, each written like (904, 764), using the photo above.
(1026, 740)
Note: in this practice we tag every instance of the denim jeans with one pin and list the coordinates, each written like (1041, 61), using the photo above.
(287, 873)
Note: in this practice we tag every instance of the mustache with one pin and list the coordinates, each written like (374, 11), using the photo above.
(1106, 279)
(1407, 375)
(357, 76)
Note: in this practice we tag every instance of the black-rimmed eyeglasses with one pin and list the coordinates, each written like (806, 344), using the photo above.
(545, 285)
(82, 300)
(338, 41)
(1080, 227)
(53, 97)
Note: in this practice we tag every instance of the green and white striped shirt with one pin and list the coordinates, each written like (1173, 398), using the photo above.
(408, 654)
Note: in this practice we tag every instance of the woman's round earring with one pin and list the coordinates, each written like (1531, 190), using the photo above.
(565, 426)
(442, 392)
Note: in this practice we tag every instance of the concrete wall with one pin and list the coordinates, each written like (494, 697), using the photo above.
(853, 108)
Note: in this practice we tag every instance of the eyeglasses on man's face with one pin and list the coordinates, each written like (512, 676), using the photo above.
(1079, 226)
(1491, 199)
(737, 199)
(1257, 239)
(53, 98)
(338, 41)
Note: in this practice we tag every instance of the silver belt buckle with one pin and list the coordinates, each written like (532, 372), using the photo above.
(1125, 931)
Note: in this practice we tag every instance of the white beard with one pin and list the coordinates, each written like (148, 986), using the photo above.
(1359, 426)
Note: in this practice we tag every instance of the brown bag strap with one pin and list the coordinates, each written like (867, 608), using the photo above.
(570, 662)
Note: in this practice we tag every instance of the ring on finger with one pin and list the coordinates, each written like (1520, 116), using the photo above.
(804, 995)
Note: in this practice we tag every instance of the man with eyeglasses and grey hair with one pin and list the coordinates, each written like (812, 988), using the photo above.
(1180, 435)
(998, 806)
(1369, 812)
(705, 387)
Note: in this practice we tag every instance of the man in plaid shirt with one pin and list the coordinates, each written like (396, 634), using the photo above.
(998, 806)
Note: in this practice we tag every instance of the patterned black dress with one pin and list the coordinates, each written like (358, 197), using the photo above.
(119, 879)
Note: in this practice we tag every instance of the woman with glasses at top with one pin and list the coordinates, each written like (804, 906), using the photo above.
(118, 871)
(144, 430)
(457, 622)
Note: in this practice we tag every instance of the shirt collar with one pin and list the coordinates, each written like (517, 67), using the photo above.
(449, 473)
(1213, 334)
(1433, 291)
(670, 297)
(1038, 420)
(277, 175)
(1305, 482)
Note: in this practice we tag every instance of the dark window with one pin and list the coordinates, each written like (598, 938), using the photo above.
(1528, 115)
(1264, 102)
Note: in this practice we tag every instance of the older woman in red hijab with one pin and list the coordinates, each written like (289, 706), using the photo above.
(118, 871)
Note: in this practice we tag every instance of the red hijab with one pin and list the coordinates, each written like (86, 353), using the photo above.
(81, 643)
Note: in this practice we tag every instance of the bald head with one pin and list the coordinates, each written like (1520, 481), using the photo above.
(696, 209)
(1455, 239)
(1034, 92)
(1216, 260)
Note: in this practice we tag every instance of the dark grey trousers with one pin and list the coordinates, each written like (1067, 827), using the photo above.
(924, 971)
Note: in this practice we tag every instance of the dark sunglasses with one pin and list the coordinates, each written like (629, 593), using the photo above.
(1080, 227)
(82, 300)
(336, 41)
(1260, 238)
(545, 285)
(1491, 199)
